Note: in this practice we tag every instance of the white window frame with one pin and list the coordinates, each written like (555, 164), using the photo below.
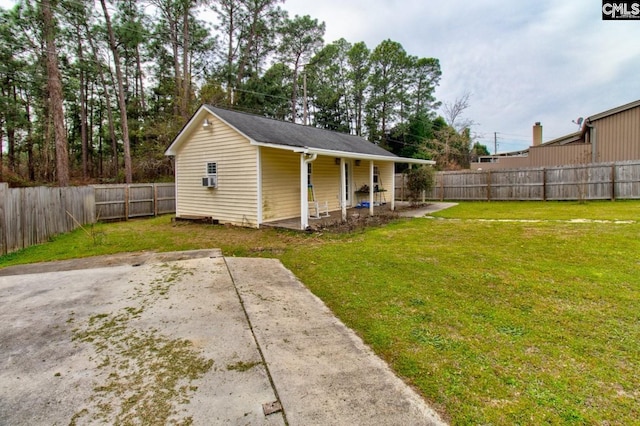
(215, 165)
(211, 171)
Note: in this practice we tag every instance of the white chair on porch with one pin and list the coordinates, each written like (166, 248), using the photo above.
(317, 209)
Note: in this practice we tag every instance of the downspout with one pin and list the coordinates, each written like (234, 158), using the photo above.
(304, 189)
(371, 193)
(393, 187)
(260, 203)
(342, 192)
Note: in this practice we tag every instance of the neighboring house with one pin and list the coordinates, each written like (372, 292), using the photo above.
(609, 136)
(248, 170)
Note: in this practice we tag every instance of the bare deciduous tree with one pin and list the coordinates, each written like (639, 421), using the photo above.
(453, 113)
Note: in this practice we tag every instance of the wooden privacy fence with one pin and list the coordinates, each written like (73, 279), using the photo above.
(31, 216)
(135, 200)
(604, 181)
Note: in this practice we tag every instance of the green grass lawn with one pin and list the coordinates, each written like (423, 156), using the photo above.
(493, 321)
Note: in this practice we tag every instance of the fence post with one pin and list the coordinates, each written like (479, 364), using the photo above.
(4, 188)
(126, 202)
(544, 184)
(613, 181)
(489, 185)
(155, 199)
(441, 186)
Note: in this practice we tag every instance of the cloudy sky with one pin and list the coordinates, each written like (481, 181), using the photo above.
(522, 61)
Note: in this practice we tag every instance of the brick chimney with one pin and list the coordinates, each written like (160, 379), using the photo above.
(537, 134)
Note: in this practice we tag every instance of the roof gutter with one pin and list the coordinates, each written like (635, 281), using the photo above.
(362, 156)
(344, 154)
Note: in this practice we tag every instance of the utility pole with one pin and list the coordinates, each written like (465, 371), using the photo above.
(495, 143)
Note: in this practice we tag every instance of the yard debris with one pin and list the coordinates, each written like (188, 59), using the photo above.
(271, 407)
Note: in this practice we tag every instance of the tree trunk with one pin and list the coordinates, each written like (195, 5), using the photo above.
(230, 51)
(83, 111)
(29, 143)
(55, 96)
(45, 173)
(1, 150)
(121, 96)
(100, 171)
(294, 94)
(140, 77)
(186, 83)
(173, 29)
(107, 96)
(246, 52)
(114, 138)
(11, 131)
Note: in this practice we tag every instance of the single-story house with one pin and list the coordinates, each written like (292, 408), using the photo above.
(609, 136)
(243, 169)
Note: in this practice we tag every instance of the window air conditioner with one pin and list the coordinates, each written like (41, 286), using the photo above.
(210, 181)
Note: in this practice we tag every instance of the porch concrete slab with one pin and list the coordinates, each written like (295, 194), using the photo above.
(403, 209)
(322, 371)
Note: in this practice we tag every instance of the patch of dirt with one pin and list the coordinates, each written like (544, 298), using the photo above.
(355, 222)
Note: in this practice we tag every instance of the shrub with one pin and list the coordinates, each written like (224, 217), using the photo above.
(419, 180)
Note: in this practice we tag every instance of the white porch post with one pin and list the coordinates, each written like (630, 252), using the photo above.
(304, 194)
(343, 192)
(259, 164)
(424, 193)
(393, 187)
(371, 193)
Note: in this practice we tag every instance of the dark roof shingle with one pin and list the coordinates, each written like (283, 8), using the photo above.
(267, 130)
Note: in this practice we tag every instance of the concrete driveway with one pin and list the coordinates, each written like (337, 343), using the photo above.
(185, 337)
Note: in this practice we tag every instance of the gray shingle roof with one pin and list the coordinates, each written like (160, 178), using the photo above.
(267, 130)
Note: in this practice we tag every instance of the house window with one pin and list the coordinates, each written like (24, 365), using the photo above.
(211, 179)
(212, 168)
(376, 174)
(309, 173)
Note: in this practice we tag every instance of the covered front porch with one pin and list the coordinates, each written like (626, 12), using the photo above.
(364, 185)
(299, 186)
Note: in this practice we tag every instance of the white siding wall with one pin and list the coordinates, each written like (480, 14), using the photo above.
(235, 199)
(360, 174)
(280, 184)
(326, 181)
(387, 180)
(361, 178)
